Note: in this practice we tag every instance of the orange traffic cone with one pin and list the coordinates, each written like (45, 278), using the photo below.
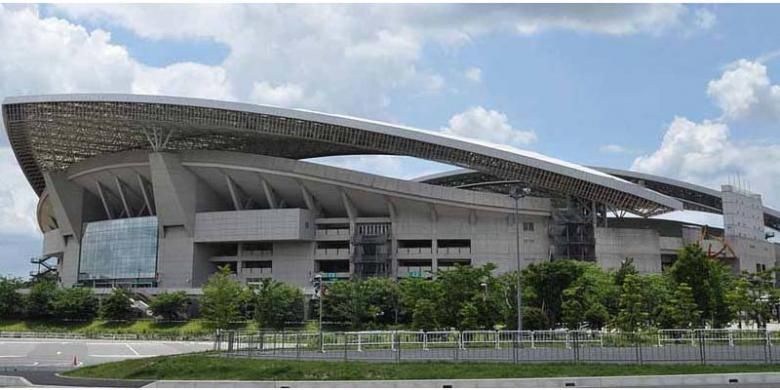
(75, 360)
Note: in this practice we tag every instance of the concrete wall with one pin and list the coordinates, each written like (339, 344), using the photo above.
(743, 219)
(254, 225)
(613, 245)
(53, 242)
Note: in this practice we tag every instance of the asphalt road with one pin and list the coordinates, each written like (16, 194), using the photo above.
(53, 354)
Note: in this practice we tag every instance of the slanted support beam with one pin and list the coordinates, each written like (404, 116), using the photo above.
(103, 199)
(122, 196)
(352, 211)
(145, 194)
(234, 192)
(311, 203)
(270, 195)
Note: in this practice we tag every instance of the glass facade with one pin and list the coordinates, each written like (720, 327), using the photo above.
(119, 249)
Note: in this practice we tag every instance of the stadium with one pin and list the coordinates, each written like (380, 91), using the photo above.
(156, 192)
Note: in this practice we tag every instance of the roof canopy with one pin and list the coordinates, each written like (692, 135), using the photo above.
(54, 131)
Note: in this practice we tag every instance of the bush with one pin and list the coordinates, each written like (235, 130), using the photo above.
(277, 304)
(170, 306)
(75, 304)
(11, 302)
(117, 306)
(40, 301)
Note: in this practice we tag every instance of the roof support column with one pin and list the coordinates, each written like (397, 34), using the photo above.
(270, 195)
(122, 197)
(311, 203)
(434, 241)
(103, 199)
(142, 184)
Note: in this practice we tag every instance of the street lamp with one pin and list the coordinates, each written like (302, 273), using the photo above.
(484, 291)
(316, 282)
(518, 193)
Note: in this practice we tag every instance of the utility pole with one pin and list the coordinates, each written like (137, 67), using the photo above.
(317, 284)
(518, 193)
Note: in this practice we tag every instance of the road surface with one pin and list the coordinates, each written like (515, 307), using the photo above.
(54, 354)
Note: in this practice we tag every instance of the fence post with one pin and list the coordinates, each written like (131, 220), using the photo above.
(575, 348)
(533, 339)
(731, 338)
(359, 347)
(425, 341)
(298, 346)
(498, 340)
(460, 340)
(392, 341)
(346, 337)
(638, 348)
(398, 349)
(702, 348)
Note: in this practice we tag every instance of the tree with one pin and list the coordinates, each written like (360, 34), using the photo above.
(170, 306)
(680, 310)
(424, 315)
(357, 303)
(534, 318)
(75, 303)
(40, 300)
(585, 300)
(546, 282)
(465, 286)
(11, 302)
(632, 315)
(221, 301)
(277, 304)
(753, 297)
(709, 281)
(117, 306)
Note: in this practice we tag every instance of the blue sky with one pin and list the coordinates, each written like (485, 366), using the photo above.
(684, 91)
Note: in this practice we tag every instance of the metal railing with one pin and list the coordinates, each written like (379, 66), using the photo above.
(703, 346)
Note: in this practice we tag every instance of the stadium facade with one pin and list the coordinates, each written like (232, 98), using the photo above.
(157, 192)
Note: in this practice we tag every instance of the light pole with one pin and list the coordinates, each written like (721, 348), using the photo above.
(317, 283)
(484, 286)
(518, 193)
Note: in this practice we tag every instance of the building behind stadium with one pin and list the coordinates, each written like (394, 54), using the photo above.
(157, 192)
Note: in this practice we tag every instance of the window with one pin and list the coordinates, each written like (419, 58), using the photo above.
(262, 265)
(119, 249)
(760, 267)
(528, 226)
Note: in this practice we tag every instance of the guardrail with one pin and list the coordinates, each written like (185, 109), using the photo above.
(667, 345)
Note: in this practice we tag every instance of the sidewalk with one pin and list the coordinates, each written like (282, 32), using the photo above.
(717, 380)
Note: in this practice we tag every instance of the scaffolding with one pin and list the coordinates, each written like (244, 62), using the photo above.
(371, 250)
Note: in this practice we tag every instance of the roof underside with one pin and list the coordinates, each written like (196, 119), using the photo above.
(693, 197)
(54, 132)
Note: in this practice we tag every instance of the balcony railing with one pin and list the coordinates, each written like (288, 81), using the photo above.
(414, 251)
(454, 251)
(339, 253)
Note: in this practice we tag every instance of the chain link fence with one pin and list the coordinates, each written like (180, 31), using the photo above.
(702, 346)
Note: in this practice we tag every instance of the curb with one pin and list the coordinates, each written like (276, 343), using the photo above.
(722, 380)
(14, 381)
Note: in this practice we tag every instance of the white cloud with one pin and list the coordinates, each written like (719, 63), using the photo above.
(488, 125)
(183, 79)
(355, 55)
(704, 19)
(705, 153)
(474, 74)
(18, 202)
(744, 91)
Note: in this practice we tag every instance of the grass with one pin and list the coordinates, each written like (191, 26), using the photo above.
(141, 327)
(200, 367)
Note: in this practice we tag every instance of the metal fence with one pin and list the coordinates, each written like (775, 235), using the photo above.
(702, 346)
(106, 336)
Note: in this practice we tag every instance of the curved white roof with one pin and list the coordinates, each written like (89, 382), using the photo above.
(54, 131)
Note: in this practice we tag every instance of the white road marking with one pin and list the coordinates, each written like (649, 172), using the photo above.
(10, 356)
(132, 349)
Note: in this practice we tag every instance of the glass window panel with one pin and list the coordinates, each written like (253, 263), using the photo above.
(119, 249)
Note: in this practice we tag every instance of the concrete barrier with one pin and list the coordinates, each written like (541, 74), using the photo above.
(14, 381)
(721, 380)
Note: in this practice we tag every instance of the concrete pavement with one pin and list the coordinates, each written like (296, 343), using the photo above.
(29, 354)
